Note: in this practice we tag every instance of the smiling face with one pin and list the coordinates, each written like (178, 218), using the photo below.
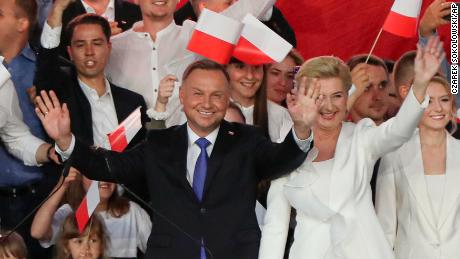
(205, 97)
(439, 111)
(245, 80)
(158, 9)
(89, 50)
(280, 80)
(334, 106)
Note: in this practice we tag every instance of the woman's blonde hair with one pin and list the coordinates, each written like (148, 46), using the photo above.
(443, 81)
(12, 245)
(69, 230)
(325, 67)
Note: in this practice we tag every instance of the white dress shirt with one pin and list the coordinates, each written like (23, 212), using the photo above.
(109, 12)
(138, 63)
(103, 115)
(14, 133)
(279, 120)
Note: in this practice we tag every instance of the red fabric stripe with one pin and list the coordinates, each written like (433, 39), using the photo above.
(250, 54)
(82, 215)
(117, 139)
(400, 25)
(210, 47)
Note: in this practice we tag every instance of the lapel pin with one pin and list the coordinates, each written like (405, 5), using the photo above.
(231, 133)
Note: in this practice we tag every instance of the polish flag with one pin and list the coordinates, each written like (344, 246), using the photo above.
(215, 36)
(87, 206)
(126, 131)
(258, 44)
(403, 17)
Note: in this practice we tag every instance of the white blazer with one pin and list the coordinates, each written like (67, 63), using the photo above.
(404, 206)
(353, 230)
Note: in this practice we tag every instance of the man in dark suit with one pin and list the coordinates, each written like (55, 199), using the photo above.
(96, 106)
(211, 199)
(275, 21)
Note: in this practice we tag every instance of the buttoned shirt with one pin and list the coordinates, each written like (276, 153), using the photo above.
(139, 63)
(103, 113)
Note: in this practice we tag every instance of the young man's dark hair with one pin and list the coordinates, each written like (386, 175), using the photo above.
(373, 60)
(88, 18)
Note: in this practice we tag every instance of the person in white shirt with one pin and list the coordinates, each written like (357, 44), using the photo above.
(331, 191)
(128, 226)
(249, 92)
(417, 199)
(155, 48)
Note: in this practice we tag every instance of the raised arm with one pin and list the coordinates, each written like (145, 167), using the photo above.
(96, 164)
(393, 133)
(41, 228)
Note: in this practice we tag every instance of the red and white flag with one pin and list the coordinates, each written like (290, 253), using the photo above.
(258, 44)
(126, 131)
(215, 36)
(403, 17)
(119, 140)
(87, 206)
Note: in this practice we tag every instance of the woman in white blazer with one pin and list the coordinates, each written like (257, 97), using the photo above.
(418, 193)
(330, 191)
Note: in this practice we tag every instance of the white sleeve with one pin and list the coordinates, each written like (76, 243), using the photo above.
(51, 37)
(14, 133)
(144, 226)
(385, 198)
(58, 218)
(258, 8)
(391, 134)
(276, 222)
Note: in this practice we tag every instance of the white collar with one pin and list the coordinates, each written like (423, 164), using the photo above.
(143, 34)
(192, 136)
(92, 92)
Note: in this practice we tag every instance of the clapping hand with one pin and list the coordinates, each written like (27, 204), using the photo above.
(55, 118)
(303, 106)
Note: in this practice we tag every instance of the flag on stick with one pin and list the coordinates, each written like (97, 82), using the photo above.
(87, 206)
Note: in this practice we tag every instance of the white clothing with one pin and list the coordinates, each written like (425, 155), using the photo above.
(108, 14)
(126, 234)
(138, 63)
(347, 227)
(435, 188)
(279, 120)
(403, 203)
(103, 114)
(14, 133)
